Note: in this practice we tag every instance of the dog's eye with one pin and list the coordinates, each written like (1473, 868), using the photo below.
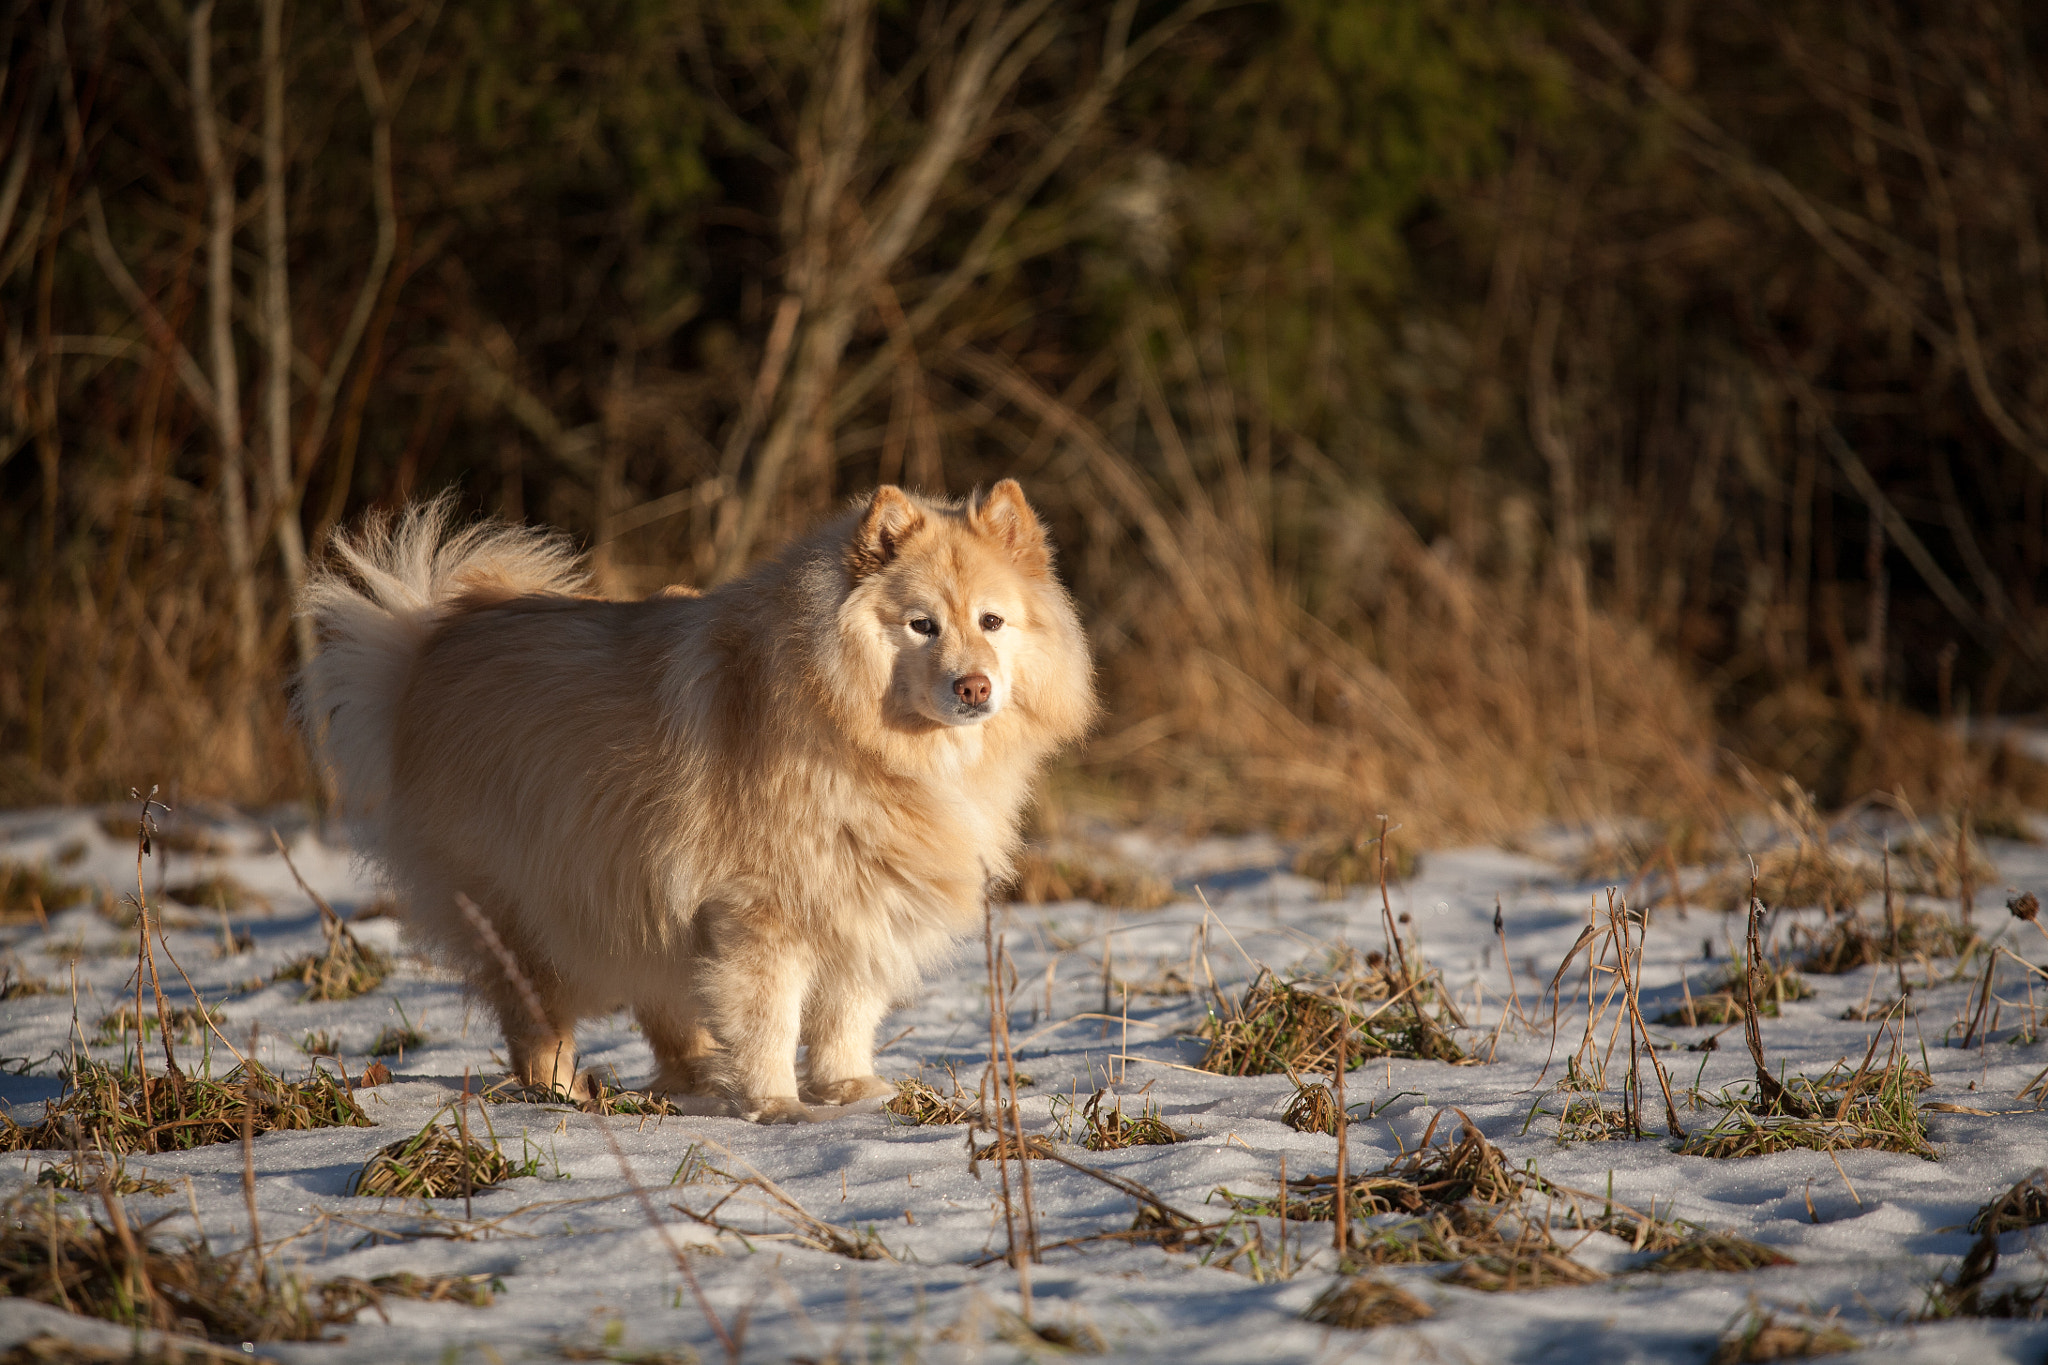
(924, 625)
(991, 621)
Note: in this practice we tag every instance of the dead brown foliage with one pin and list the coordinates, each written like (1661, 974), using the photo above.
(1362, 1303)
(1081, 876)
(118, 1112)
(1763, 1337)
(111, 1270)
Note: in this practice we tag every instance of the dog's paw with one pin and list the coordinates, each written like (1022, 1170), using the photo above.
(850, 1090)
(777, 1110)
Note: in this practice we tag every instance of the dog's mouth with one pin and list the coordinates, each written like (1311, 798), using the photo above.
(968, 713)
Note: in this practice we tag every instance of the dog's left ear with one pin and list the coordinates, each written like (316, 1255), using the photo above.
(891, 519)
(1003, 516)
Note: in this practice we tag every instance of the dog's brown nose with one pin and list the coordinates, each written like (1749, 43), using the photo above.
(972, 689)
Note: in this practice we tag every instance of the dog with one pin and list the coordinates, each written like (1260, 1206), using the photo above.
(753, 815)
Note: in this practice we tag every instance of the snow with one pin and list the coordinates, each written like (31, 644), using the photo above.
(582, 1267)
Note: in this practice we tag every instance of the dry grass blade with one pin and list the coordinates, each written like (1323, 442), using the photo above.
(922, 1104)
(1345, 863)
(88, 1171)
(1763, 1338)
(112, 1272)
(1036, 1147)
(2025, 1205)
(1724, 1002)
(188, 1024)
(1312, 1109)
(219, 892)
(1868, 1110)
(1362, 1303)
(1429, 1178)
(1295, 1027)
(1519, 1268)
(1116, 1130)
(115, 1111)
(1942, 862)
(345, 1297)
(1587, 1120)
(436, 1163)
(1848, 941)
(343, 970)
(1962, 1294)
(1719, 1251)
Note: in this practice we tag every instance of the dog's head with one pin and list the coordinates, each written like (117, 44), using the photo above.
(958, 606)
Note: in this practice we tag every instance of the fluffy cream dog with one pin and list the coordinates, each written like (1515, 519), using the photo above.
(750, 815)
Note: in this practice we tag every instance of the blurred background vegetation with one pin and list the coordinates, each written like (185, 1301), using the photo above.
(1483, 412)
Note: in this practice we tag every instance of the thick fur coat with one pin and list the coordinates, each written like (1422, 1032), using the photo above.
(751, 815)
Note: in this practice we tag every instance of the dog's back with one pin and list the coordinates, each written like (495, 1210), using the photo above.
(389, 586)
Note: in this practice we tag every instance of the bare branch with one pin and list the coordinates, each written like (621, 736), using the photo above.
(227, 383)
(284, 491)
(197, 387)
(1968, 348)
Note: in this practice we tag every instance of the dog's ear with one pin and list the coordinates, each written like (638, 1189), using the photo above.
(891, 519)
(1003, 516)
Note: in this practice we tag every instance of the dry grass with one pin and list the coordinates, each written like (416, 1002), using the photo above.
(343, 970)
(1354, 861)
(1036, 1147)
(1311, 1109)
(1428, 1179)
(1865, 1111)
(1115, 1130)
(1635, 854)
(1515, 1269)
(1041, 877)
(219, 892)
(187, 1022)
(46, 1348)
(15, 986)
(86, 1171)
(1763, 1337)
(1296, 1027)
(1849, 941)
(2025, 1205)
(393, 1040)
(922, 1104)
(1937, 862)
(1719, 1251)
(346, 1297)
(1588, 1120)
(29, 894)
(116, 1111)
(110, 1270)
(1725, 1001)
(437, 1162)
(1362, 1303)
(178, 832)
(1963, 1293)
(606, 1098)
(1807, 867)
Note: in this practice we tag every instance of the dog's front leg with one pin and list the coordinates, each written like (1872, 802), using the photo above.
(839, 1026)
(754, 993)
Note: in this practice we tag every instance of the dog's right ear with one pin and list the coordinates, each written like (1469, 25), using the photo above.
(891, 519)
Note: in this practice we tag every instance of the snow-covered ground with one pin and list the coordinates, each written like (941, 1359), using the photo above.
(583, 1270)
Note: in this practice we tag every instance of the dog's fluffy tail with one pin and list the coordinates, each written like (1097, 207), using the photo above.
(374, 603)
